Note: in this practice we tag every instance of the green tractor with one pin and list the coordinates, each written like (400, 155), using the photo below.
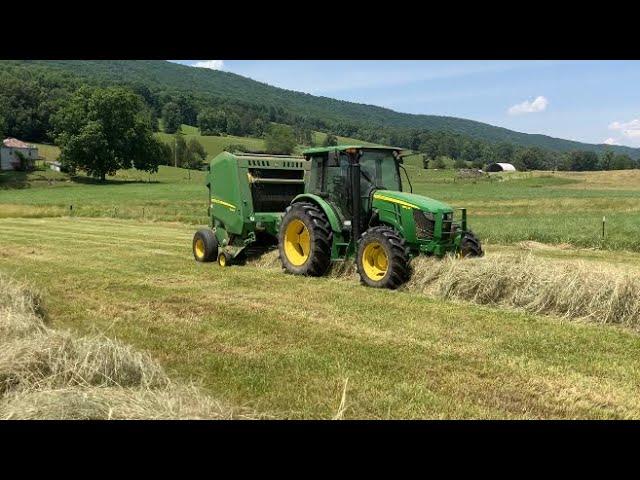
(332, 204)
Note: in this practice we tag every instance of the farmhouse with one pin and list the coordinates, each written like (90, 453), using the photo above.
(11, 151)
(501, 167)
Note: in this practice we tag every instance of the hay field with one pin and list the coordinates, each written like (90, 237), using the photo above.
(50, 374)
(289, 347)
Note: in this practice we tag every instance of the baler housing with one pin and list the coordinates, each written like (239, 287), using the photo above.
(248, 194)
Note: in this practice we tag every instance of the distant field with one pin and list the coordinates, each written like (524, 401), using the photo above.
(561, 207)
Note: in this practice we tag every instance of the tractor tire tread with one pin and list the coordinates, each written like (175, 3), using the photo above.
(322, 236)
(398, 260)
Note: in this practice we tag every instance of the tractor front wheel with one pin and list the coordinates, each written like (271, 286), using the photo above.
(383, 261)
(205, 246)
(304, 240)
(470, 245)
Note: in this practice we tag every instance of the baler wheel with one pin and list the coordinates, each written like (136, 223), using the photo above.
(223, 259)
(205, 246)
(304, 240)
(382, 258)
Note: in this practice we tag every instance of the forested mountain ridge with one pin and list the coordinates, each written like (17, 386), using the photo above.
(207, 86)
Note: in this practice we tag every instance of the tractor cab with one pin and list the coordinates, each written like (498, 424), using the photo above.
(348, 175)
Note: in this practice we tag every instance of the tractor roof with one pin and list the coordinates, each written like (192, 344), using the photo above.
(342, 148)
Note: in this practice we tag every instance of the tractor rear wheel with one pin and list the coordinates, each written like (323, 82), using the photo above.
(304, 240)
(382, 259)
(205, 245)
(470, 245)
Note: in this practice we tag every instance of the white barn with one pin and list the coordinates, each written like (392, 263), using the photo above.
(9, 160)
(501, 167)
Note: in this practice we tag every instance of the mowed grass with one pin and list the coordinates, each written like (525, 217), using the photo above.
(286, 346)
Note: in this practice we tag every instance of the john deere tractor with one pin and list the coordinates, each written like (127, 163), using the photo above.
(331, 204)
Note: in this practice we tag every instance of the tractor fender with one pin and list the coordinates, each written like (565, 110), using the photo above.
(328, 210)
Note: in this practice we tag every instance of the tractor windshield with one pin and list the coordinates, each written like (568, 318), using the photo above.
(379, 170)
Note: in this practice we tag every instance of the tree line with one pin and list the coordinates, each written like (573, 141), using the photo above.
(32, 102)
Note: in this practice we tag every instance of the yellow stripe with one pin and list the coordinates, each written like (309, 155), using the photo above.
(215, 200)
(395, 200)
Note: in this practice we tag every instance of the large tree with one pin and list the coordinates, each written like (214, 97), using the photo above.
(103, 130)
(280, 139)
(212, 122)
(171, 117)
(330, 140)
(582, 161)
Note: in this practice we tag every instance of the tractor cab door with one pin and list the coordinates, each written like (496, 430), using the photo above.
(333, 182)
(379, 171)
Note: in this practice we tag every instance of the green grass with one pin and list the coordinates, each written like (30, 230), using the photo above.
(48, 152)
(213, 145)
(288, 350)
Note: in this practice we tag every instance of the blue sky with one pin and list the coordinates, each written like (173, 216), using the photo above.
(588, 101)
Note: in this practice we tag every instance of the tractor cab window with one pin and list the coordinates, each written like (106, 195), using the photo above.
(336, 182)
(379, 170)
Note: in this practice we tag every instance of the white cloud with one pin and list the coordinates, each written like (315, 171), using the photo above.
(538, 105)
(629, 129)
(611, 141)
(211, 64)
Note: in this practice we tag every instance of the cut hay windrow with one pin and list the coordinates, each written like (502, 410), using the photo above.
(573, 290)
(114, 403)
(49, 374)
(57, 359)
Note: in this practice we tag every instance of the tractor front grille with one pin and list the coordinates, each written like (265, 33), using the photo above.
(424, 225)
(447, 219)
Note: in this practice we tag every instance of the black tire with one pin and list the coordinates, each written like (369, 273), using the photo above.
(470, 245)
(396, 255)
(205, 246)
(316, 261)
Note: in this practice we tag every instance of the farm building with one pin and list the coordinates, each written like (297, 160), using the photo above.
(11, 151)
(500, 167)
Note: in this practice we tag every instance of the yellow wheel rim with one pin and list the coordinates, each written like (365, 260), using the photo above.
(222, 260)
(375, 261)
(297, 242)
(199, 248)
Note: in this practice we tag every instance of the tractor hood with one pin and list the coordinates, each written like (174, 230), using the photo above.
(411, 200)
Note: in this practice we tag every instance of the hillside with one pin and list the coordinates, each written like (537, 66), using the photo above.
(206, 85)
